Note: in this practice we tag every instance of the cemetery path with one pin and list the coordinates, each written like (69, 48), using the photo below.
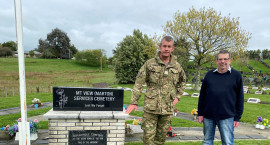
(243, 132)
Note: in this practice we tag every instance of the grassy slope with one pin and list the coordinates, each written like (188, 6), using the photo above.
(64, 70)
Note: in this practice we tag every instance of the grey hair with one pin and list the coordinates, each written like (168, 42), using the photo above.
(166, 38)
(224, 52)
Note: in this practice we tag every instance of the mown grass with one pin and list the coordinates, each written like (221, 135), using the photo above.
(14, 101)
(251, 111)
(12, 118)
(267, 61)
(46, 73)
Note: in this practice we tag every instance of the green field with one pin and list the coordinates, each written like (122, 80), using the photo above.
(55, 72)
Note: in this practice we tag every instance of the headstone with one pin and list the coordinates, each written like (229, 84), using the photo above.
(87, 99)
(245, 87)
(255, 88)
(265, 89)
(195, 95)
(258, 92)
(185, 94)
(87, 137)
(188, 88)
(253, 100)
(100, 85)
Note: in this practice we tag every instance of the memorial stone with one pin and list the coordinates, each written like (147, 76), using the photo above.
(82, 116)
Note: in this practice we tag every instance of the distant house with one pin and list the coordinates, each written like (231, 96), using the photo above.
(26, 54)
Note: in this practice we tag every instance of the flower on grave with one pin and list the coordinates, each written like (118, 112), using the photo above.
(5, 128)
(194, 112)
(137, 121)
(36, 121)
(170, 133)
(35, 100)
(170, 129)
(259, 120)
(34, 126)
(15, 128)
(265, 122)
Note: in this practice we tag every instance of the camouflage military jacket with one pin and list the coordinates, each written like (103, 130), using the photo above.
(164, 84)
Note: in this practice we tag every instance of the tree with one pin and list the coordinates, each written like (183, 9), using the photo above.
(73, 50)
(266, 54)
(10, 44)
(242, 61)
(5, 51)
(60, 42)
(31, 53)
(91, 57)
(130, 55)
(181, 51)
(207, 32)
(57, 45)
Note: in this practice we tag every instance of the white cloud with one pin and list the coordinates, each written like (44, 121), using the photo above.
(102, 24)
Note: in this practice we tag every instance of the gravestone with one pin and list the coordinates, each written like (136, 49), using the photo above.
(195, 95)
(258, 92)
(100, 85)
(185, 94)
(253, 100)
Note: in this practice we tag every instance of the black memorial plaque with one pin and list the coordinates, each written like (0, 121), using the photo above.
(87, 137)
(87, 99)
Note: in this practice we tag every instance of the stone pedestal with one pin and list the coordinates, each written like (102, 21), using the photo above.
(61, 122)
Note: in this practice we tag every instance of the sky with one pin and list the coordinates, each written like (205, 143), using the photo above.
(102, 24)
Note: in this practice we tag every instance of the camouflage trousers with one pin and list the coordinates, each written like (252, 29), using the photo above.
(155, 128)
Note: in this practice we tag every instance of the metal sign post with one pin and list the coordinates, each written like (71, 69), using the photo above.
(24, 129)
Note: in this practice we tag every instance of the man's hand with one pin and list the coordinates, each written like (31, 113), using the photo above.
(236, 124)
(175, 101)
(200, 119)
(130, 108)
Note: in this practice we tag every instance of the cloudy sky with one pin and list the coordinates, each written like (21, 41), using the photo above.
(95, 24)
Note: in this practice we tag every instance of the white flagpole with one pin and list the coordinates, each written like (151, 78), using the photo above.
(24, 138)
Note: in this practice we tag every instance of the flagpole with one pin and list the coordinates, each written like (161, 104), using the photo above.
(24, 131)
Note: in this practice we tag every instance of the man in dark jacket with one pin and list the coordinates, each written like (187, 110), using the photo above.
(221, 101)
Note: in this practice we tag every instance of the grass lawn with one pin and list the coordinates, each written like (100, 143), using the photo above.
(5, 101)
(45, 73)
(12, 118)
(186, 104)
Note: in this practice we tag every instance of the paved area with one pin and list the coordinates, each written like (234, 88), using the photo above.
(243, 132)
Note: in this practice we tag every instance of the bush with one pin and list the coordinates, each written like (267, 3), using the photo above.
(5, 51)
(90, 57)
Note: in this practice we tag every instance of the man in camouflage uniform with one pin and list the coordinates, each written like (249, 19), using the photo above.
(165, 81)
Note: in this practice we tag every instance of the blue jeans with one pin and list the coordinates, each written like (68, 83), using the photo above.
(225, 128)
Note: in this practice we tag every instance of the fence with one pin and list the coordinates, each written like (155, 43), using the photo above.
(15, 91)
